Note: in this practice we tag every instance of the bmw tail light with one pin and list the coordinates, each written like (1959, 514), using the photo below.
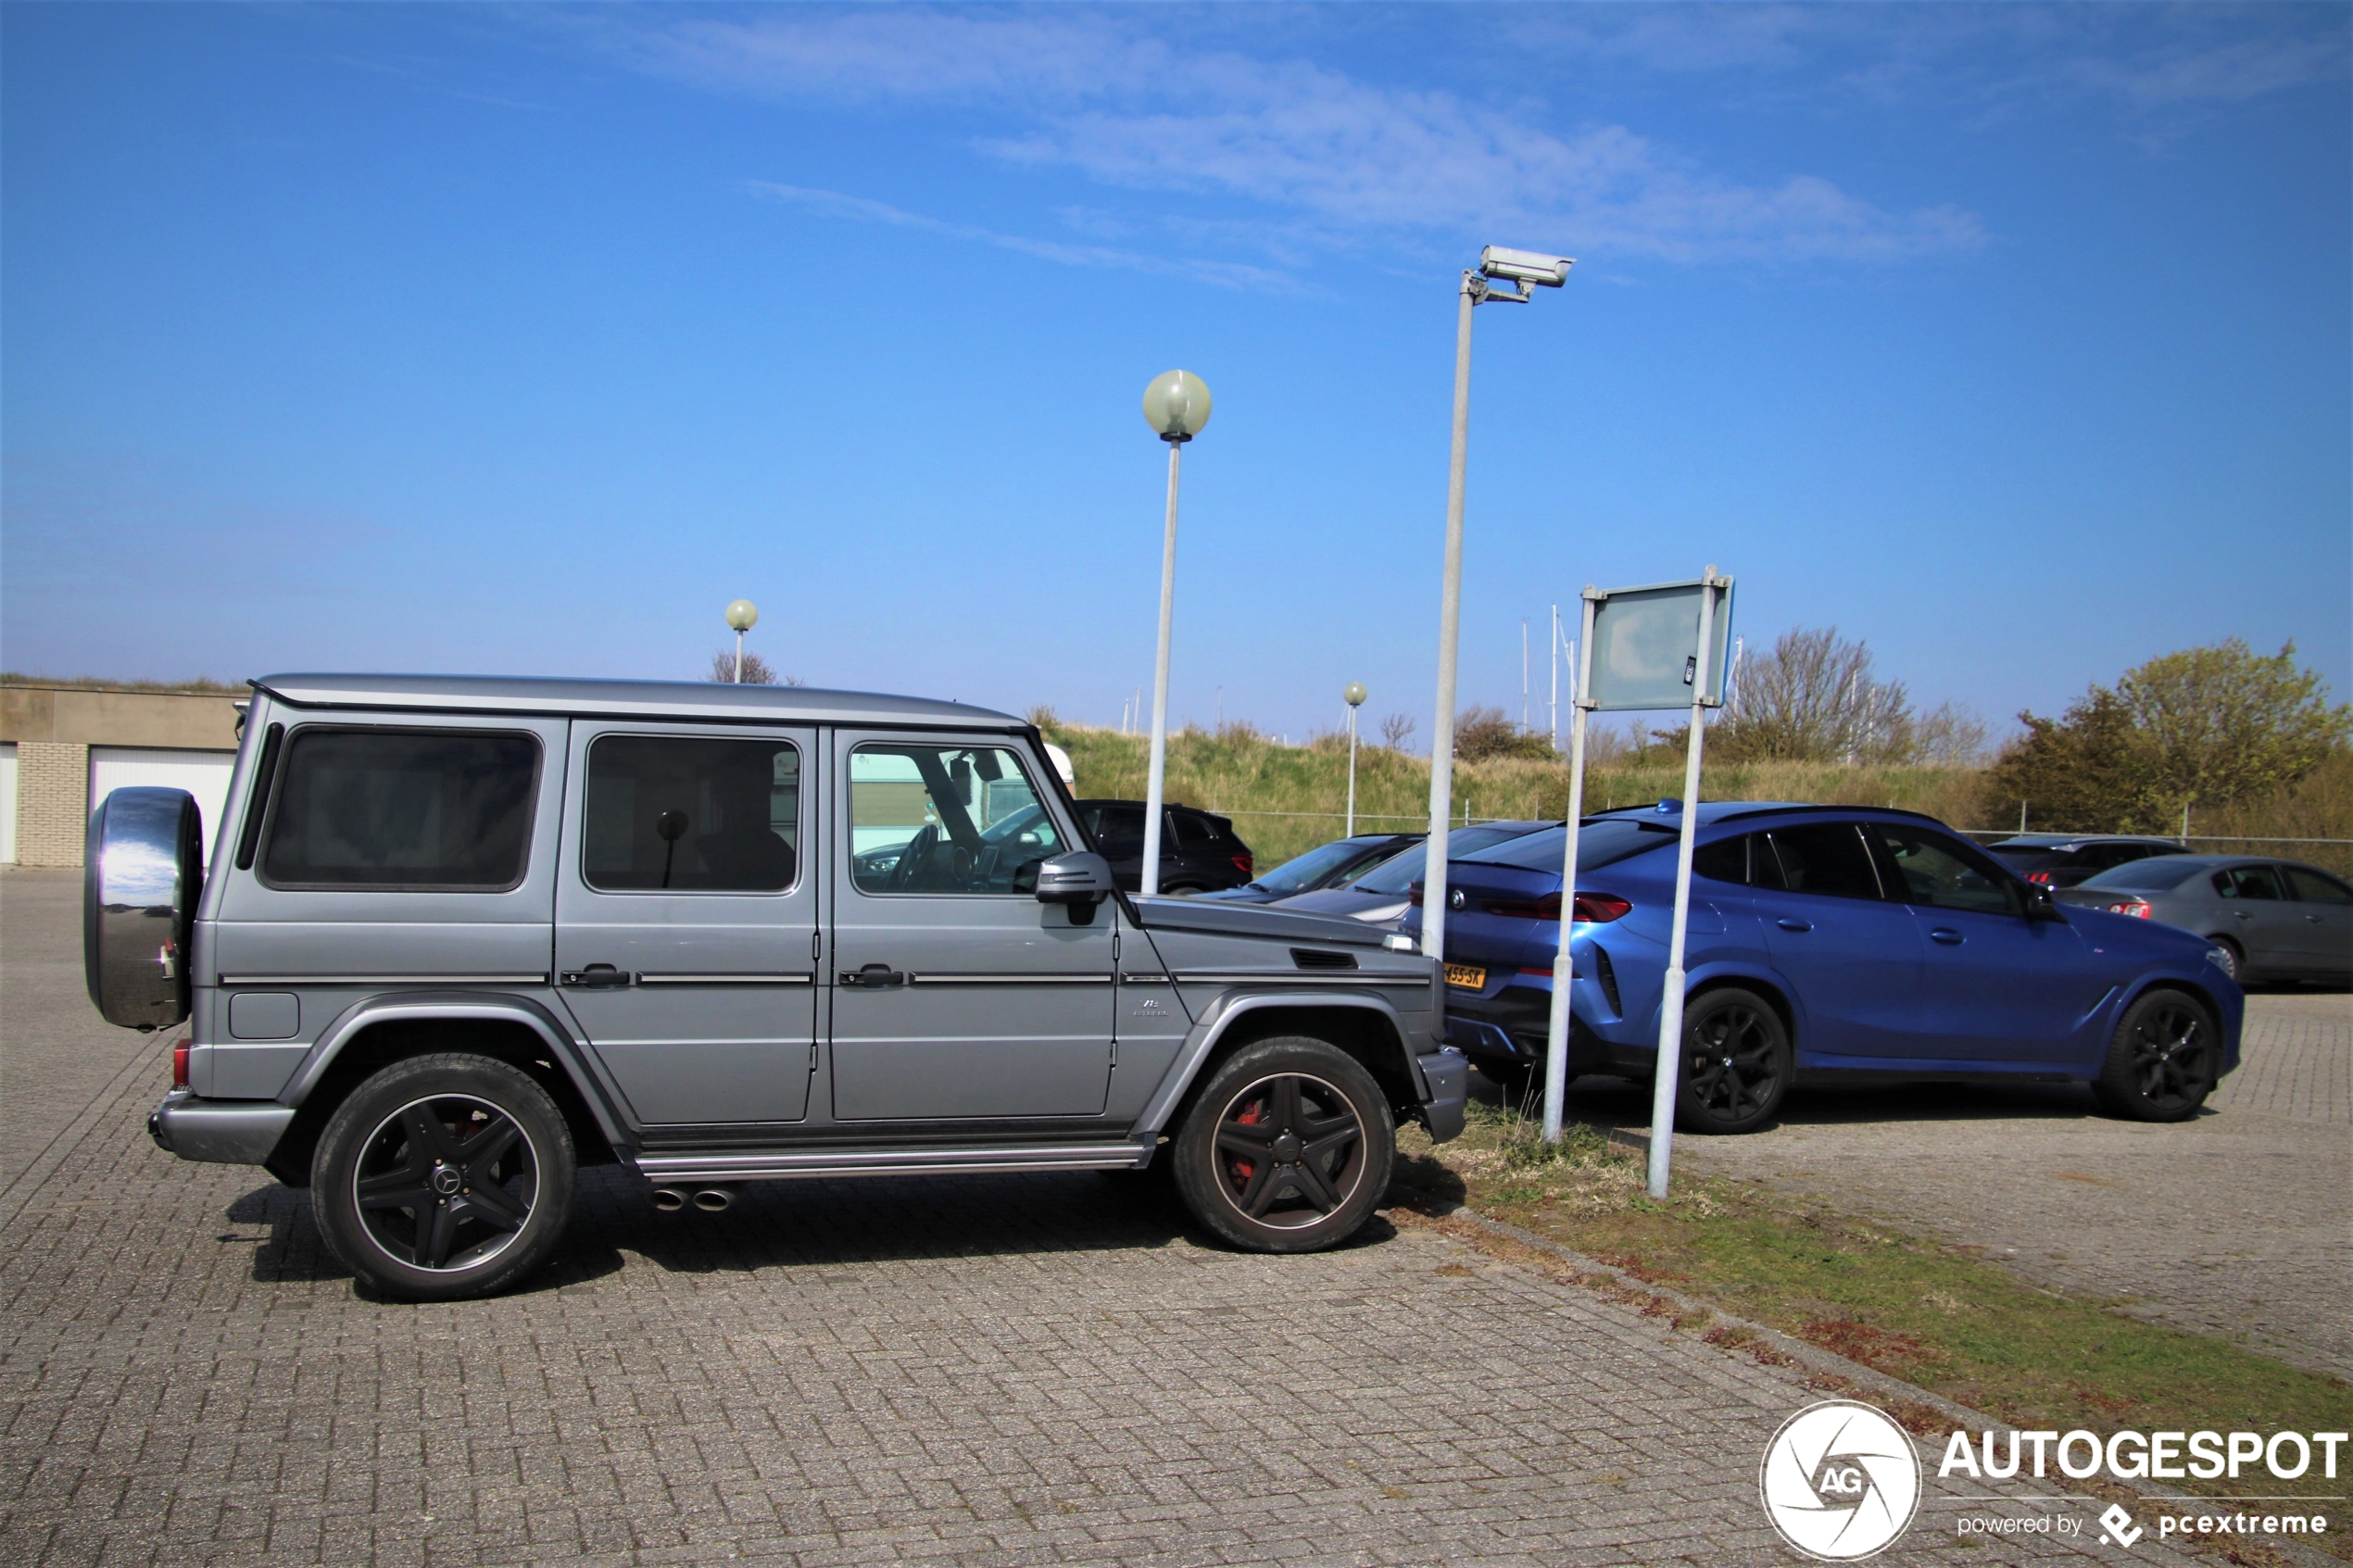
(2137, 908)
(179, 1064)
(1595, 908)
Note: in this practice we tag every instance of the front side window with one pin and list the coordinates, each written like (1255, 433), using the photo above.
(2247, 881)
(680, 813)
(1820, 858)
(423, 809)
(944, 819)
(2318, 887)
(1939, 872)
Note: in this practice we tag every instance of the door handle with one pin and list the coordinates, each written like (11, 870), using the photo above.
(1947, 936)
(873, 977)
(1788, 924)
(2311, 920)
(596, 977)
(2243, 914)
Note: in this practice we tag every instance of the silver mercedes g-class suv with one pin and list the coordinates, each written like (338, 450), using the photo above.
(459, 936)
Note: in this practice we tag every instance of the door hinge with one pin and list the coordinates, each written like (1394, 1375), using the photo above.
(812, 1055)
(817, 946)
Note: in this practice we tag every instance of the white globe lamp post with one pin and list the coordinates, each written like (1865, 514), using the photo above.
(1354, 696)
(1176, 406)
(743, 615)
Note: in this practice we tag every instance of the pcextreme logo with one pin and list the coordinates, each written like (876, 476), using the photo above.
(1840, 1481)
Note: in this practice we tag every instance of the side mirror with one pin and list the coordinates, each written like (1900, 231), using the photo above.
(2040, 905)
(1080, 876)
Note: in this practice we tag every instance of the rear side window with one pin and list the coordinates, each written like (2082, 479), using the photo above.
(421, 810)
(1822, 857)
(1189, 830)
(1118, 824)
(2247, 881)
(687, 814)
(1724, 860)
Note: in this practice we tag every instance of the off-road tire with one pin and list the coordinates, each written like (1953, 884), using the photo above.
(1736, 1064)
(2163, 1060)
(381, 1147)
(1324, 1164)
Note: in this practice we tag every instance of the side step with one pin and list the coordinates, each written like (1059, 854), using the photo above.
(743, 1166)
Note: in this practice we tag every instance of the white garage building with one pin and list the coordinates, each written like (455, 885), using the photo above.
(63, 746)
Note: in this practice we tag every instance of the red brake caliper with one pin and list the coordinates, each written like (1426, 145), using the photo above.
(1245, 1169)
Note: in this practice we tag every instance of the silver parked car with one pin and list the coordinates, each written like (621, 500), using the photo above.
(461, 935)
(2275, 919)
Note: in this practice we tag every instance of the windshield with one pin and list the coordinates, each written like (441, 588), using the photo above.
(1313, 868)
(1395, 875)
(2144, 876)
(1602, 843)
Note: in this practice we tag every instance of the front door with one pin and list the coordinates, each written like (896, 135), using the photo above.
(955, 994)
(686, 918)
(1994, 984)
(1851, 957)
(2324, 911)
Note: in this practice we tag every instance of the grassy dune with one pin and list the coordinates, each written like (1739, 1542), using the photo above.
(1288, 798)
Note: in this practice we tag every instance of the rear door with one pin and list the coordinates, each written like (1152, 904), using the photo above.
(2256, 912)
(2324, 907)
(1851, 957)
(686, 918)
(1996, 986)
(957, 996)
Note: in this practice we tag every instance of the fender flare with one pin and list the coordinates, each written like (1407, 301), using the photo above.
(1219, 1016)
(1729, 973)
(460, 1006)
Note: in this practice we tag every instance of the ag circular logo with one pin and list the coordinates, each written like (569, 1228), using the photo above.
(1840, 1481)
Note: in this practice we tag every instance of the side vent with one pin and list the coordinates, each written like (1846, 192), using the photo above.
(1311, 957)
(1607, 974)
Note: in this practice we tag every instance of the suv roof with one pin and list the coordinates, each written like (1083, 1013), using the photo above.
(633, 699)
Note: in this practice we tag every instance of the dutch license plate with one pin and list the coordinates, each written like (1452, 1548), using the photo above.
(1466, 974)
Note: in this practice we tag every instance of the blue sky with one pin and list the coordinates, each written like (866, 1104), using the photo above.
(2011, 339)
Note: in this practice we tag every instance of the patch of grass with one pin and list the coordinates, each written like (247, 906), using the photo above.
(1937, 1316)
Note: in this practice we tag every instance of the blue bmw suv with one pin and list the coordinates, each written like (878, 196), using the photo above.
(1826, 944)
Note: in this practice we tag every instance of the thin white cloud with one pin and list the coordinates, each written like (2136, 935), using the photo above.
(1315, 151)
(837, 203)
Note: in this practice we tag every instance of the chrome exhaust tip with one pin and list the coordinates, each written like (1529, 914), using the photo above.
(669, 1200)
(716, 1200)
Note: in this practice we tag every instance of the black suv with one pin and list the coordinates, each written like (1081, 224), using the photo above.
(1198, 851)
(2063, 860)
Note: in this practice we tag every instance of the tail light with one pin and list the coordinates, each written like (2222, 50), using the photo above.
(1245, 863)
(2043, 877)
(2137, 908)
(179, 1064)
(1595, 908)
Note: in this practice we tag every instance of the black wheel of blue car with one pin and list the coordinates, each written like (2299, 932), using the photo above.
(2162, 1061)
(1287, 1147)
(1735, 1066)
(444, 1176)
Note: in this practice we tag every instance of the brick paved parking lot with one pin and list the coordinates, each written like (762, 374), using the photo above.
(2239, 1223)
(1011, 1371)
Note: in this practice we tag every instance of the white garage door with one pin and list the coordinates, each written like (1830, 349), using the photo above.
(204, 774)
(8, 804)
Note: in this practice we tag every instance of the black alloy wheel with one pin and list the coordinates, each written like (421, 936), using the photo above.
(444, 1176)
(1735, 1066)
(1287, 1147)
(2163, 1060)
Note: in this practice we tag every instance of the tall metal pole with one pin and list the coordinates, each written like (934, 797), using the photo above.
(1523, 677)
(739, 657)
(1351, 773)
(1670, 1011)
(1160, 684)
(1450, 607)
(1552, 657)
(1565, 962)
